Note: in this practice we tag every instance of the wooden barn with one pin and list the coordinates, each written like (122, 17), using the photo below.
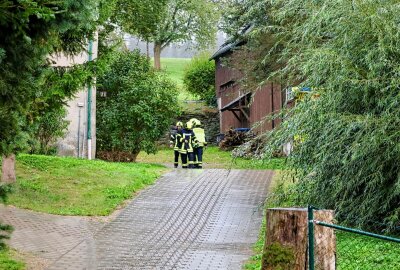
(238, 107)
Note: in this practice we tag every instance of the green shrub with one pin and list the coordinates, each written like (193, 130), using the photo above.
(135, 107)
(5, 230)
(47, 129)
(199, 78)
(7, 262)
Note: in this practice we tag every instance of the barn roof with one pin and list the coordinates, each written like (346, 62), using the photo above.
(233, 44)
(225, 48)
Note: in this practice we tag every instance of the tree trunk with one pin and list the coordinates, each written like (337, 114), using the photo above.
(134, 156)
(157, 56)
(8, 169)
(287, 240)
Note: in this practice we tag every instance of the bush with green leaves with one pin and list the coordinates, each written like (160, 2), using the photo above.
(136, 105)
(346, 142)
(46, 130)
(199, 78)
(5, 230)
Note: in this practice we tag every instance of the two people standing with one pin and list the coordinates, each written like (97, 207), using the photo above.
(188, 142)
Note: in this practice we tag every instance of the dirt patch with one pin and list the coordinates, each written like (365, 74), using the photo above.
(31, 261)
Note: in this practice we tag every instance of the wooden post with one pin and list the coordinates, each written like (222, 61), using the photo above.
(8, 169)
(286, 240)
(324, 241)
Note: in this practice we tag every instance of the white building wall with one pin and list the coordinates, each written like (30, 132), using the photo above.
(75, 142)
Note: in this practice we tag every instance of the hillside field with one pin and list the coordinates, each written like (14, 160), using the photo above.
(174, 68)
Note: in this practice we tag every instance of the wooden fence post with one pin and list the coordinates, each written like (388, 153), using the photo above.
(286, 240)
(8, 169)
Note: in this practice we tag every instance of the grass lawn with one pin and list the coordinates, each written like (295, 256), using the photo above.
(7, 262)
(354, 252)
(70, 186)
(214, 158)
(174, 68)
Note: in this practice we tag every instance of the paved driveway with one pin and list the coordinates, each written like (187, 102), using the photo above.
(190, 219)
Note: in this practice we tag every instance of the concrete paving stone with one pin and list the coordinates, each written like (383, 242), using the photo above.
(190, 219)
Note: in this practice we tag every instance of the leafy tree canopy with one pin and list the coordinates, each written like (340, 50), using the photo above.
(168, 21)
(141, 18)
(31, 32)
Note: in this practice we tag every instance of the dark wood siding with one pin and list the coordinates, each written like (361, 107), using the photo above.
(227, 90)
(264, 102)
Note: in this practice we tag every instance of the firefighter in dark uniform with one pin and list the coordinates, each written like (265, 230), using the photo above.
(176, 142)
(188, 139)
(199, 146)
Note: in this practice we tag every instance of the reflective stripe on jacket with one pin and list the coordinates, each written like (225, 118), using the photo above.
(188, 138)
(176, 140)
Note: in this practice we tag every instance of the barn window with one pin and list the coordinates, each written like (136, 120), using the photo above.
(226, 85)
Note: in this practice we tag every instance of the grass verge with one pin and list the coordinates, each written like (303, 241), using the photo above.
(70, 186)
(215, 158)
(7, 262)
(254, 263)
(353, 251)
